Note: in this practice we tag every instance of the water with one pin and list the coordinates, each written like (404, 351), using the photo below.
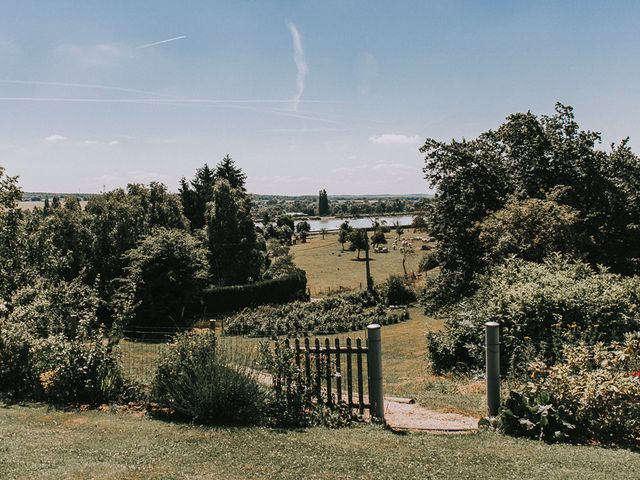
(332, 223)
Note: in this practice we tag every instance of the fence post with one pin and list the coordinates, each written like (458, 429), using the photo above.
(374, 372)
(492, 339)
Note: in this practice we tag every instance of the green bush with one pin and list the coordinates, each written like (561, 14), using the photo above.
(165, 273)
(77, 371)
(591, 395)
(206, 379)
(540, 308)
(62, 308)
(273, 291)
(396, 291)
(340, 313)
(17, 377)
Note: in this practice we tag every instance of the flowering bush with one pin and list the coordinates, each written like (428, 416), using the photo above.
(591, 387)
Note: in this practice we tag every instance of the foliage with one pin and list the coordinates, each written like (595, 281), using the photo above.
(64, 308)
(534, 416)
(292, 401)
(539, 307)
(592, 390)
(396, 291)
(10, 232)
(165, 274)
(236, 252)
(77, 370)
(529, 157)
(206, 379)
(323, 203)
(359, 240)
(340, 313)
(17, 375)
(292, 286)
(429, 261)
(378, 237)
(530, 229)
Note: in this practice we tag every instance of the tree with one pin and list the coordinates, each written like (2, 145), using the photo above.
(323, 203)
(419, 223)
(343, 233)
(227, 170)
(303, 228)
(378, 237)
(530, 229)
(10, 234)
(406, 251)
(165, 273)
(237, 255)
(359, 241)
(196, 194)
(398, 228)
(528, 157)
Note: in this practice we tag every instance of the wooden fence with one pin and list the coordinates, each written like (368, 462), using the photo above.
(325, 366)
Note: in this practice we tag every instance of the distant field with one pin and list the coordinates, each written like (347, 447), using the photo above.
(328, 269)
(30, 205)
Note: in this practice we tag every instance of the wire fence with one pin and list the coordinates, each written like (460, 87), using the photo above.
(140, 350)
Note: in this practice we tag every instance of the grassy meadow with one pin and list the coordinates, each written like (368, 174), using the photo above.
(329, 269)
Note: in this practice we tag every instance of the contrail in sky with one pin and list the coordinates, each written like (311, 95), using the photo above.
(161, 42)
(301, 64)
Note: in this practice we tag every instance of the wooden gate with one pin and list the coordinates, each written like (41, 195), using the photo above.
(334, 369)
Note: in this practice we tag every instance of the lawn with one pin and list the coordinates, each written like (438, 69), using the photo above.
(329, 269)
(37, 442)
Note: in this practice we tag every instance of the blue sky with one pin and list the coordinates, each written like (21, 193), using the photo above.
(303, 95)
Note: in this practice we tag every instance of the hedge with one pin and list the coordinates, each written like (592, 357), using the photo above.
(279, 290)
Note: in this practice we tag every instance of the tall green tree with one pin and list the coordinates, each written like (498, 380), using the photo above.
(237, 254)
(11, 264)
(529, 157)
(323, 203)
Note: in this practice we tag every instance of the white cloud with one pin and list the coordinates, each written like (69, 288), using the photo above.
(301, 64)
(55, 138)
(114, 142)
(395, 139)
(90, 142)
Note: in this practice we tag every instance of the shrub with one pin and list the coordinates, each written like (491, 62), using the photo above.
(206, 379)
(62, 308)
(396, 291)
(340, 313)
(540, 308)
(292, 401)
(278, 290)
(77, 371)
(593, 390)
(17, 376)
(166, 273)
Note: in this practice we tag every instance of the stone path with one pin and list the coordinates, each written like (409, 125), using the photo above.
(402, 416)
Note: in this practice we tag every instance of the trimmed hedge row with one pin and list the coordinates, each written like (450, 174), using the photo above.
(274, 291)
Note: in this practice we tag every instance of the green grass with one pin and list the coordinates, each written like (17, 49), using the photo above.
(329, 270)
(36, 442)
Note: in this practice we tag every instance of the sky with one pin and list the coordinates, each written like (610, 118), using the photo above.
(303, 95)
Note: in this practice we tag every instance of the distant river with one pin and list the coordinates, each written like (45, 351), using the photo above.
(331, 223)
